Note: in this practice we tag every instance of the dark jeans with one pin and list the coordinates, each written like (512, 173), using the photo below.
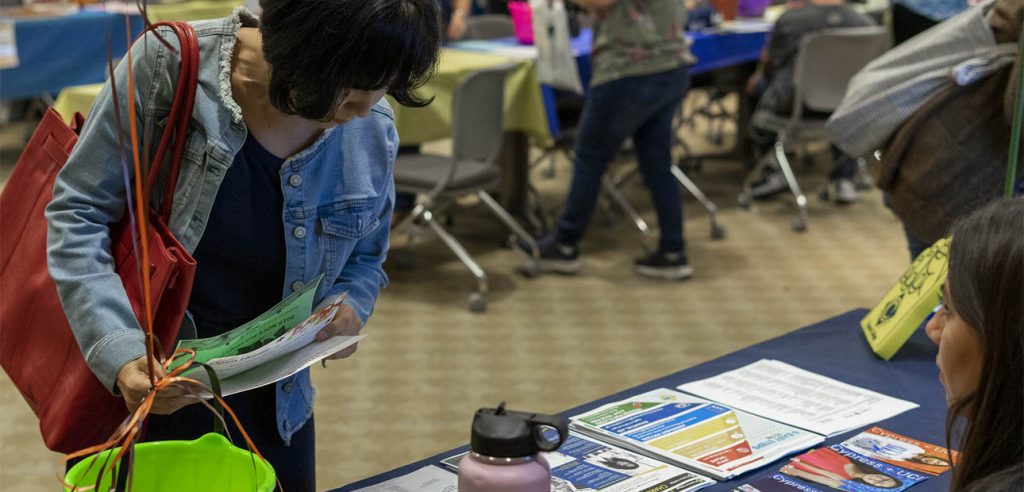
(640, 107)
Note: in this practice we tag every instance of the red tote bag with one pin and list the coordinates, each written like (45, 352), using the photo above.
(37, 348)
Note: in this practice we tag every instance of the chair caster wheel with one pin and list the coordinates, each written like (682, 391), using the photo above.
(799, 224)
(745, 201)
(717, 232)
(477, 303)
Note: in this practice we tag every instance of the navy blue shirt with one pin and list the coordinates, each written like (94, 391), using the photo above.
(241, 257)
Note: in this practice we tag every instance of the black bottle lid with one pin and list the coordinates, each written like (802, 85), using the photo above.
(501, 433)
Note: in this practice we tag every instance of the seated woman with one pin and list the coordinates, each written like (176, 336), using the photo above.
(980, 333)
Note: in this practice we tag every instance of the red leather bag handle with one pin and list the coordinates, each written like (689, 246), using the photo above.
(176, 132)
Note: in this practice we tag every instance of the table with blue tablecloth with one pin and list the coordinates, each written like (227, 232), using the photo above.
(63, 51)
(835, 348)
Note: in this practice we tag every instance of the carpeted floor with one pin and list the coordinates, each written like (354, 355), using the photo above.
(550, 343)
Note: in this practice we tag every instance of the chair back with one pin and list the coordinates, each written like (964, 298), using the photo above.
(478, 115)
(489, 26)
(828, 59)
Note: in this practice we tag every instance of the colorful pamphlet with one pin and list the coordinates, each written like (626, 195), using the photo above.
(875, 460)
(275, 345)
(801, 398)
(902, 451)
(694, 433)
(584, 464)
(835, 468)
(907, 304)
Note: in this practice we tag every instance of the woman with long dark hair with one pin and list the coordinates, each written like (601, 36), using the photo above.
(980, 333)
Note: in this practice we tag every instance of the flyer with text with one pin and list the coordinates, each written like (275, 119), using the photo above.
(698, 434)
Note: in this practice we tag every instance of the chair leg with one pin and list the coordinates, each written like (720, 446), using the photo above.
(717, 231)
(616, 197)
(746, 197)
(510, 222)
(800, 221)
(477, 300)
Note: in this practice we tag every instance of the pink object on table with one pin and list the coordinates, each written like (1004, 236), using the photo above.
(753, 8)
(522, 20)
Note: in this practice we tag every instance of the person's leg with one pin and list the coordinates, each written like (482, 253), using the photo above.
(844, 170)
(611, 113)
(653, 144)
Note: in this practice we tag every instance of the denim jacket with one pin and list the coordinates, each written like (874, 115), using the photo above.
(338, 199)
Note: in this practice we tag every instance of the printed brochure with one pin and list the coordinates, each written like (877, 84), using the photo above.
(694, 433)
(583, 464)
(835, 468)
(785, 393)
(901, 451)
(271, 347)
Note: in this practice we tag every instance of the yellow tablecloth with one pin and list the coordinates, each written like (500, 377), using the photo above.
(192, 10)
(524, 108)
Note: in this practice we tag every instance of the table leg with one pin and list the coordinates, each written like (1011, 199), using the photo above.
(514, 189)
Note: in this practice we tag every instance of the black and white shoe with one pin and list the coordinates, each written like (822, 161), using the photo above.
(556, 257)
(665, 265)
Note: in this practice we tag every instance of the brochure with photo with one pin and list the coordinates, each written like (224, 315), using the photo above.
(697, 434)
(902, 451)
(835, 468)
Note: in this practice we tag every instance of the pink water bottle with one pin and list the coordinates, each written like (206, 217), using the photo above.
(505, 451)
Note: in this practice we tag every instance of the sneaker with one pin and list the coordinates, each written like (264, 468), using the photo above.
(556, 257)
(771, 183)
(846, 192)
(665, 265)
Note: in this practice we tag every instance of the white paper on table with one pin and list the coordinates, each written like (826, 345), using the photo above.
(747, 25)
(782, 392)
(426, 479)
(8, 46)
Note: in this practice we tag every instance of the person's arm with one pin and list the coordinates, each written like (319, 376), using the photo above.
(457, 24)
(89, 195)
(363, 275)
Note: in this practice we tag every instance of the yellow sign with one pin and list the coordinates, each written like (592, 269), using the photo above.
(889, 325)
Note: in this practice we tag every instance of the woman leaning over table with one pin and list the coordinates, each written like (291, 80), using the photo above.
(287, 175)
(980, 333)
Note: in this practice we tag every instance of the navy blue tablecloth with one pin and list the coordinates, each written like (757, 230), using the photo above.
(835, 348)
(57, 52)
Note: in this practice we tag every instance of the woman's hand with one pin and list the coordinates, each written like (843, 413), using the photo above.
(133, 381)
(347, 324)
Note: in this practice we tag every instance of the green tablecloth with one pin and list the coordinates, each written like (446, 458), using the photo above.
(524, 109)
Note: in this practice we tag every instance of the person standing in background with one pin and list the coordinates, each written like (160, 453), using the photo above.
(640, 76)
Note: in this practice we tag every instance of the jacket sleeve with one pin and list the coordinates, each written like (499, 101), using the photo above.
(89, 195)
(363, 275)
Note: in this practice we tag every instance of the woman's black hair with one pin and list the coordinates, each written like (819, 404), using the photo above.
(986, 287)
(317, 49)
